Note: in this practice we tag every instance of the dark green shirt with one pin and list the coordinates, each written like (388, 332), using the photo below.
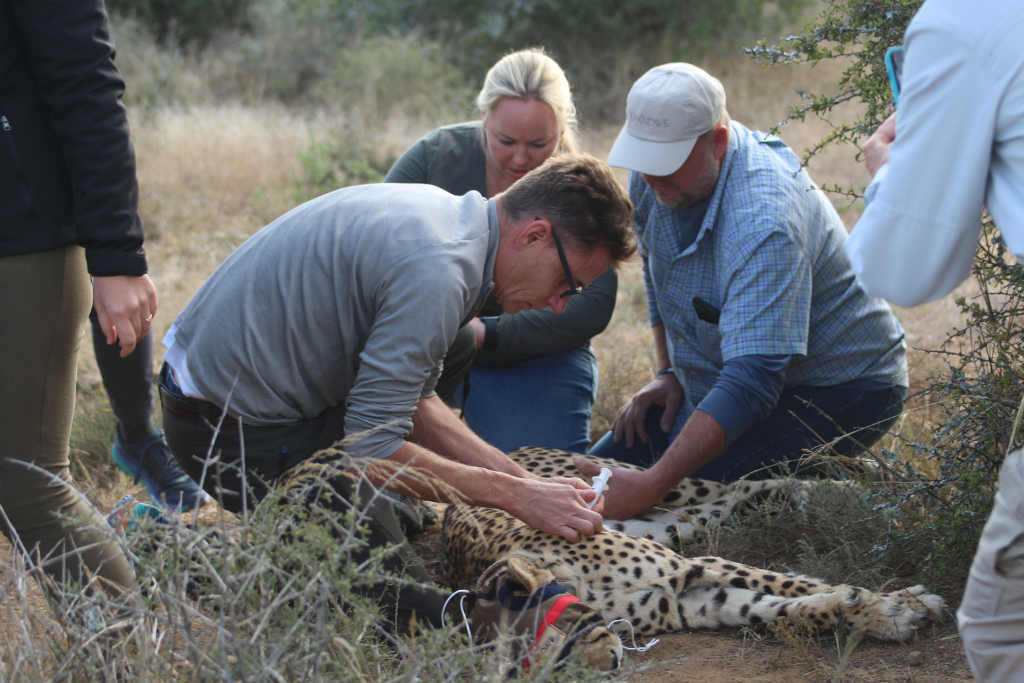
(452, 158)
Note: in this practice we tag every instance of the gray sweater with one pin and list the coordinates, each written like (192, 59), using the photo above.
(353, 297)
(451, 158)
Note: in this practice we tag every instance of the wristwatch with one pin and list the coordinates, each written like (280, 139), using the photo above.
(490, 333)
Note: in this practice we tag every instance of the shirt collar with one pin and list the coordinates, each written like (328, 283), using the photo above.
(717, 196)
(494, 235)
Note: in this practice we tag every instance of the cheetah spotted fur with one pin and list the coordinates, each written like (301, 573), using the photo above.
(693, 506)
(659, 590)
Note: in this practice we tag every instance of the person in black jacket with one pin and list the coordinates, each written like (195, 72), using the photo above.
(68, 210)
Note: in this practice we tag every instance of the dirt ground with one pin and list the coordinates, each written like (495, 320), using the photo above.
(934, 656)
(788, 655)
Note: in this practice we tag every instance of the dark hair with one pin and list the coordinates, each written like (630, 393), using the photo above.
(582, 199)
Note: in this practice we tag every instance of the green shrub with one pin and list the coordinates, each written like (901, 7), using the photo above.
(860, 31)
(185, 21)
(603, 45)
(385, 75)
(944, 493)
(156, 72)
(422, 54)
(328, 165)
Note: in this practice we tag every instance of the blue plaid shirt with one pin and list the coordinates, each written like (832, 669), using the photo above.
(770, 256)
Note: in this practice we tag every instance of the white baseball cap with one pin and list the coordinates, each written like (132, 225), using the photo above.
(666, 111)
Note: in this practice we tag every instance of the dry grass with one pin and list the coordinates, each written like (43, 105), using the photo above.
(211, 175)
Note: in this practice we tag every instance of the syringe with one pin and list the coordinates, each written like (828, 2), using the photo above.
(600, 483)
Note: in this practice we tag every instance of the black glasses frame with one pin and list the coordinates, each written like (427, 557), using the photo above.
(573, 289)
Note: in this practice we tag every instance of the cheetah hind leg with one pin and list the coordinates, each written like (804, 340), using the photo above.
(721, 594)
(708, 607)
(889, 616)
(895, 615)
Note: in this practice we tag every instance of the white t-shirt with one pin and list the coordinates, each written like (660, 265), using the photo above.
(959, 145)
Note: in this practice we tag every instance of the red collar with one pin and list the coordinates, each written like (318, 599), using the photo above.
(549, 619)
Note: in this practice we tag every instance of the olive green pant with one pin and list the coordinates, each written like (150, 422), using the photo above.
(44, 300)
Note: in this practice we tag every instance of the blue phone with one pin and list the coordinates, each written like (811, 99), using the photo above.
(894, 65)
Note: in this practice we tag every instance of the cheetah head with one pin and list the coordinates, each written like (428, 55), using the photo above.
(518, 596)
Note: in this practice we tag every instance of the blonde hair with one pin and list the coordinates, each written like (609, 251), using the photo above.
(526, 75)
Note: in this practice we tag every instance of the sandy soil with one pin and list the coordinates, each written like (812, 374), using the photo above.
(934, 656)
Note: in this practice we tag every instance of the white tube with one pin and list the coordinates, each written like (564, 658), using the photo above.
(600, 482)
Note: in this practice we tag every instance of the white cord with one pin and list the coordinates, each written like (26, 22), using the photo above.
(600, 482)
(632, 636)
(462, 609)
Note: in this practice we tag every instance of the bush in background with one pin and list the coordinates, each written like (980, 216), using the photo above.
(945, 491)
(185, 21)
(338, 162)
(603, 45)
(419, 52)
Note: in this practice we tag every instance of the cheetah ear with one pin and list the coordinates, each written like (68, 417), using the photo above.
(527, 576)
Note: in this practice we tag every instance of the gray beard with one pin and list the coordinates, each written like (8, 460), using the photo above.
(701, 190)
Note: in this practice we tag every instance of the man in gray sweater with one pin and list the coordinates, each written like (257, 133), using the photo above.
(332, 322)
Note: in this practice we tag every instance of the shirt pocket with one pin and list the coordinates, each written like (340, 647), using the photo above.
(709, 339)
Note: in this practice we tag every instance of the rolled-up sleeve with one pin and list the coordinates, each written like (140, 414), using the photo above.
(544, 331)
(746, 392)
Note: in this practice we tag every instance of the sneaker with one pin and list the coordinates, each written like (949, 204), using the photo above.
(132, 523)
(150, 461)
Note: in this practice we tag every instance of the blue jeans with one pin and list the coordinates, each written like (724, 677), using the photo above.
(804, 418)
(544, 401)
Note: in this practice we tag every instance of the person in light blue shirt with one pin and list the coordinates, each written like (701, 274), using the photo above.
(957, 147)
(766, 344)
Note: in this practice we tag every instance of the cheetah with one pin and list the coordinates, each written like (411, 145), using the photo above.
(657, 589)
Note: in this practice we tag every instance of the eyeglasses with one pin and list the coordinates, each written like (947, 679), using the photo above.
(573, 289)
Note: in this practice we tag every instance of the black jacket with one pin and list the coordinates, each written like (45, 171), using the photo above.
(67, 166)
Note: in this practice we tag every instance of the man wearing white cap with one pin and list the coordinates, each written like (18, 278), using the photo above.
(766, 344)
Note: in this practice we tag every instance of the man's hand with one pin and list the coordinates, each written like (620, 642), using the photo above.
(876, 149)
(663, 391)
(125, 306)
(585, 489)
(556, 507)
(629, 493)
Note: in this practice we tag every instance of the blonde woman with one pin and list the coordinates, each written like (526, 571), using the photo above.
(528, 379)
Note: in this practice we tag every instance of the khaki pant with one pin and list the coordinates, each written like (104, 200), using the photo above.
(44, 300)
(991, 616)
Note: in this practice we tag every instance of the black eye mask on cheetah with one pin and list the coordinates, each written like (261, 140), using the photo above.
(519, 600)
